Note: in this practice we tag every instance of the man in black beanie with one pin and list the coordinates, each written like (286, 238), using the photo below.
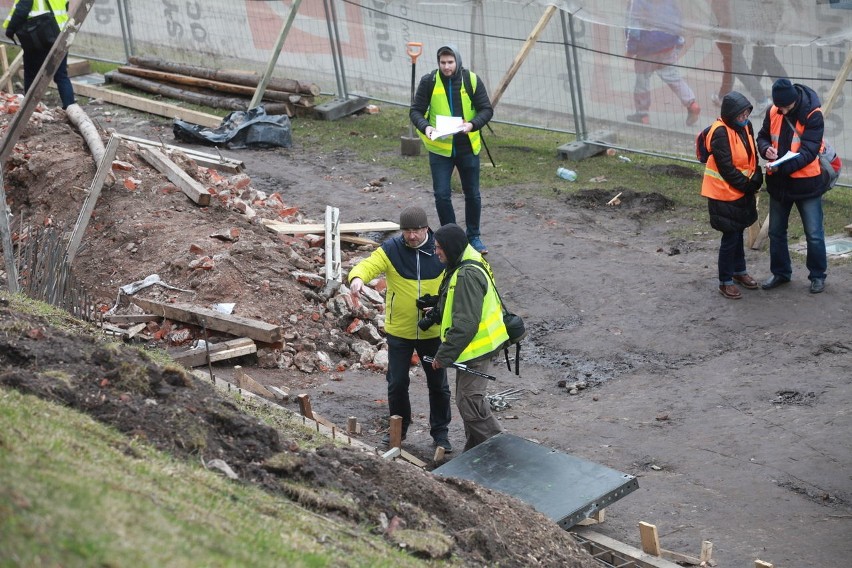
(472, 329)
(412, 270)
(794, 123)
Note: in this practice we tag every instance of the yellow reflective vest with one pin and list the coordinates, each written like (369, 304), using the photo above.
(439, 104)
(714, 185)
(491, 334)
(60, 13)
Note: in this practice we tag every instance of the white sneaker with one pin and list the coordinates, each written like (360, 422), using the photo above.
(717, 100)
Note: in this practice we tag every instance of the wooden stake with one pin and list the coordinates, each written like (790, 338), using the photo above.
(351, 425)
(650, 539)
(9, 70)
(439, 455)
(706, 552)
(273, 59)
(395, 431)
(305, 406)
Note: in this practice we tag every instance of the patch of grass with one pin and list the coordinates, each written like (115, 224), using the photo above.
(72, 493)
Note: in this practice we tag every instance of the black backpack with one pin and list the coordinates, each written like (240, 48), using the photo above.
(701, 151)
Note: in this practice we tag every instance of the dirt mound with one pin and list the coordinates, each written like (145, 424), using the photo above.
(181, 415)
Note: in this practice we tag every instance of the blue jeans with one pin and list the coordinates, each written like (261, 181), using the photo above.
(810, 210)
(731, 257)
(399, 363)
(442, 173)
(32, 65)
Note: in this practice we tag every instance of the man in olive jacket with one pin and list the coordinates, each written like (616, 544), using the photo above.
(412, 270)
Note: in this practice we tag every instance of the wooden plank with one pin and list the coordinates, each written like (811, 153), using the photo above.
(6, 81)
(677, 557)
(146, 105)
(132, 331)
(126, 318)
(641, 559)
(77, 67)
(219, 162)
(522, 54)
(596, 518)
(10, 69)
(762, 564)
(218, 352)
(235, 325)
(245, 382)
(297, 229)
(325, 422)
(163, 164)
(650, 539)
(706, 552)
(414, 460)
(104, 168)
(439, 454)
(359, 241)
(837, 86)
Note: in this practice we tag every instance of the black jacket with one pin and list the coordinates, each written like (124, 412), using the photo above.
(452, 85)
(733, 216)
(780, 185)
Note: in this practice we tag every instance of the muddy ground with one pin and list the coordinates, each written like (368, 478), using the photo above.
(734, 415)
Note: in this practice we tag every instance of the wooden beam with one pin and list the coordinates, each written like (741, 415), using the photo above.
(235, 325)
(219, 162)
(163, 164)
(121, 318)
(414, 460)
(104, 169)
(218, 352)
(837, 86)
(639, 558)
(146, 105)
(522, 54)
(9, 70)
(273, 58)
(296, 229)
(762, 564)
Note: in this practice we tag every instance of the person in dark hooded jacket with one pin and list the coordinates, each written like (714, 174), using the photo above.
(731, 181)
(472, 329)
(794, 123)
(453, 91)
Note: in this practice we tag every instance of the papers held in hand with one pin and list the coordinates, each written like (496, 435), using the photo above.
(788, 156)
(446, 126)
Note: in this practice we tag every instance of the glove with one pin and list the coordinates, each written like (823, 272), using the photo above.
(10, 33)
(754, 183)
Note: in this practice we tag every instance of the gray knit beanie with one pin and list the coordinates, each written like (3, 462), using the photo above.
(412, 218)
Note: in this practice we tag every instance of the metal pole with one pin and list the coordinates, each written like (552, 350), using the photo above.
(126, 33)
(582, 133)
(333, 45)
(339, 50)
(569, 66)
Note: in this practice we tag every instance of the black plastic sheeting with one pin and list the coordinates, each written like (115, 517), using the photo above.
(240, 129)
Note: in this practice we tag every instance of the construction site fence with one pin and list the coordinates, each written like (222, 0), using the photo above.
(575, 78)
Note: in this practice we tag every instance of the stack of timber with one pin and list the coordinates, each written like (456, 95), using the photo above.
(216, 88)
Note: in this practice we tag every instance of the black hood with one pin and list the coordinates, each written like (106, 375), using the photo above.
(453, 240)
(732, 105)
(455, 51)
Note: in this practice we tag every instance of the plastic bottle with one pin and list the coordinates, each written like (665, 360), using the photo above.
(565, 173)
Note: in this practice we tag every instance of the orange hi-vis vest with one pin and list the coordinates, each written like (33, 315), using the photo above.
(776, 121)
(714, 185)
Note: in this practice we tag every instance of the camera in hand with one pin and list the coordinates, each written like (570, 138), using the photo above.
(433, 315)
(427, 301)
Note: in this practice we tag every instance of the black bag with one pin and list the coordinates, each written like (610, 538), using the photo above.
(39, 33)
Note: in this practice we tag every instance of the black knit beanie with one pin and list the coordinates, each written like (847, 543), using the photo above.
(784, 93)
(453, 240)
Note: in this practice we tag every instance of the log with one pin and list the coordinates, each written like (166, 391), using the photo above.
(177, 78)
(226, 75)
(213, 101)
(88, 131)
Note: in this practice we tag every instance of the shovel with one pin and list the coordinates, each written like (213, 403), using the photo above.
(411, 143)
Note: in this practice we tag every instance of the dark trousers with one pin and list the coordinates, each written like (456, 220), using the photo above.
(33, 60)
(399, 403)
(731, 257)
